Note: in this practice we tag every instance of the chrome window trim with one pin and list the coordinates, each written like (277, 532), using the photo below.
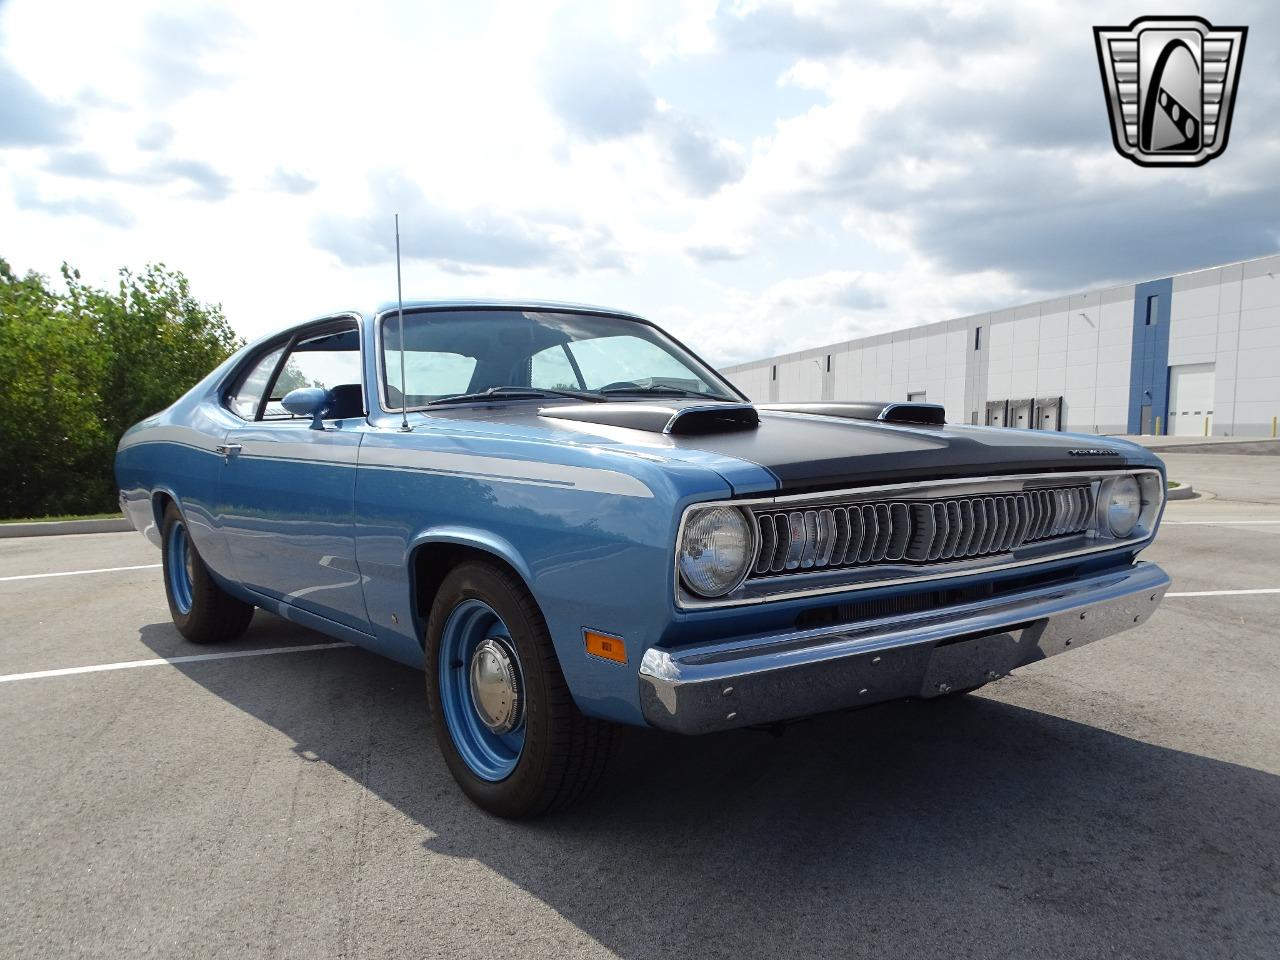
(685, 600)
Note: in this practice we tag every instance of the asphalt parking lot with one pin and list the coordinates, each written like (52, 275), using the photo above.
(1123, 801)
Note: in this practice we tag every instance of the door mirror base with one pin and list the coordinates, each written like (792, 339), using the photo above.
(313, 402)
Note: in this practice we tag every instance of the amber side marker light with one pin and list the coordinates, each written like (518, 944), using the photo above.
(604, 646)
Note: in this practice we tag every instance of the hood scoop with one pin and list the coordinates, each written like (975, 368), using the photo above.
(914, 413)
(680, 420)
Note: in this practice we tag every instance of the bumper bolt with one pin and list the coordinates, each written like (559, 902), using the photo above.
(944, 688)
(731, 716)
(726, 691)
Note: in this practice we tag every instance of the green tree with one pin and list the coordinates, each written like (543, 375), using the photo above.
(50, 428)
(290, 378)
(158, 340)
(77, 368)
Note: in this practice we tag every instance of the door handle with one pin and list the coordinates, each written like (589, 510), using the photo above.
(227, 450)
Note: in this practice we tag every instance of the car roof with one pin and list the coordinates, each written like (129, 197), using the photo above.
(543, 305)
(389, 306)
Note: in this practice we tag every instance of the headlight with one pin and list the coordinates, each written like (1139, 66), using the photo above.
(715, 550)
(1124, 506)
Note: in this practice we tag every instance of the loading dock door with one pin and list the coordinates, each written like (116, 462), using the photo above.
(1048, 413)
(1190, 399)
(1020, 414)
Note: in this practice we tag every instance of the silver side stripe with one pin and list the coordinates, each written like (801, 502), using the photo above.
(504, 470)
(445, 463)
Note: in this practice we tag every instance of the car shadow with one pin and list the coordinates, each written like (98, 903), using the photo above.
(965, 827)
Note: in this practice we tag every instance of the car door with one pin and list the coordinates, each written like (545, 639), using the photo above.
(287, 490)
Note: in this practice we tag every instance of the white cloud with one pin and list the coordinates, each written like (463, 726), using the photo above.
(463, 241)
(103, 209)
(290, 181)
(599, 94)
(27, 118)
(798, 313)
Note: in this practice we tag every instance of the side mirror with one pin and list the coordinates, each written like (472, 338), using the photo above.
(313, 402)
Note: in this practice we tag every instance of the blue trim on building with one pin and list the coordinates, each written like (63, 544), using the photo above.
(1149, 363)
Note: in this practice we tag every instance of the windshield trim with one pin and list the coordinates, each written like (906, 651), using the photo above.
(381, 319)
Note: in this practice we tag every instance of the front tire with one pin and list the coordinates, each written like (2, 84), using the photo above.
(506, 723)
(202, 611)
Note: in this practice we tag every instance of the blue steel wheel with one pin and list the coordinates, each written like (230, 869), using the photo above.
(507, 725)
(482, 690)
(202, 610)
(178, 567)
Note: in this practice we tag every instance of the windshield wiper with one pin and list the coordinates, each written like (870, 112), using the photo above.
(661, 389)
(516, 393)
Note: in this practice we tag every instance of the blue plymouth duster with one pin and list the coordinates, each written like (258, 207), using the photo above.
(570, 521)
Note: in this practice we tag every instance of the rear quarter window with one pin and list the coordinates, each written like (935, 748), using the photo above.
(244, 399)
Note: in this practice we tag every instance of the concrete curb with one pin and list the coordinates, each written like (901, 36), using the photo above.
(1184, 492)
(58, 528)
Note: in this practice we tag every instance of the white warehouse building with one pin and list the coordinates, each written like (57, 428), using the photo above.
(1190, 355)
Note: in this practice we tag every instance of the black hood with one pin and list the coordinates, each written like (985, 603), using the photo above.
(811, 449)
(809, 452)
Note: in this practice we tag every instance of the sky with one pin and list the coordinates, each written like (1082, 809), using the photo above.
(756, 177)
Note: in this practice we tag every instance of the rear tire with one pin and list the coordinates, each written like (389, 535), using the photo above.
(545, 754)
(202, 611)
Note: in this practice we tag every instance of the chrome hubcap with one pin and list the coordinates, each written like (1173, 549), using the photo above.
(495, 686)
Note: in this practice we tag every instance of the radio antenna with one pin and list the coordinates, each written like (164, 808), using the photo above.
(404, 397)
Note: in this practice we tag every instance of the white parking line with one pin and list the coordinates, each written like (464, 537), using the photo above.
(338, 644)
(77, 573)
(1223, 593)
(159, 662)
(1213, 523)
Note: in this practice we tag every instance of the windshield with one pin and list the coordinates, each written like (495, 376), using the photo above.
(452, 353)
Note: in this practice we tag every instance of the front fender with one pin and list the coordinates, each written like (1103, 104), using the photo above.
(590, 532)
(483, 540)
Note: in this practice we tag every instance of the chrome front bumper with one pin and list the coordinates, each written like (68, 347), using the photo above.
(735, 683)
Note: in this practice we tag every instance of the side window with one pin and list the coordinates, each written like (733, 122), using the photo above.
(244, 400)
(331, 361)
(551, 369)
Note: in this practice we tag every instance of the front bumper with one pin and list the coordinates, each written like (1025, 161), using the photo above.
(735, 683)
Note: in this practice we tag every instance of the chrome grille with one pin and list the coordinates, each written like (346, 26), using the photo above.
(917, 531)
